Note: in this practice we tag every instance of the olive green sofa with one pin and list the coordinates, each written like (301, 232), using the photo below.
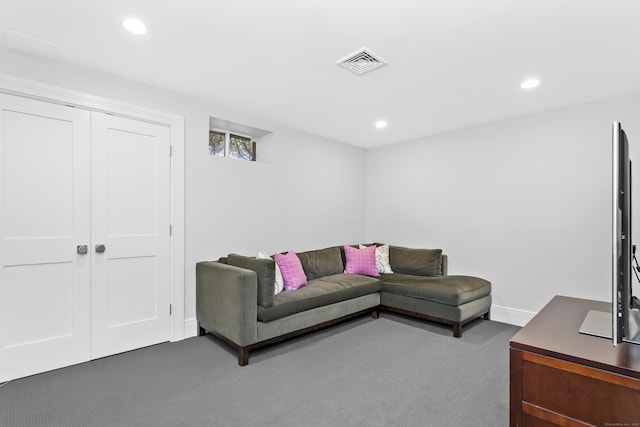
(236, 300)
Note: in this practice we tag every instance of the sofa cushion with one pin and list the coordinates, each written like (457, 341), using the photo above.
(321, 262)
(419, 262)
(317, 293)
(266, 272)
(450, 290)
(361, 261)
(293, 276)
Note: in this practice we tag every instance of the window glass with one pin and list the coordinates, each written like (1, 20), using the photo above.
(241, 147)
(216, 143)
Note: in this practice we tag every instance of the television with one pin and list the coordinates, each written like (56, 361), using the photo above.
(622, 324)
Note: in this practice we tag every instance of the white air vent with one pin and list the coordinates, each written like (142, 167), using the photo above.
(361, 61)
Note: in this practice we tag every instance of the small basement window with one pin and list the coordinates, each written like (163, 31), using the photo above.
(227, 144)
(229, 139)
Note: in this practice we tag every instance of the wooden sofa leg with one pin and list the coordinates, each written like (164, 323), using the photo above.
(457, 330)
(375, 313)
(486, 316)
(243, 356)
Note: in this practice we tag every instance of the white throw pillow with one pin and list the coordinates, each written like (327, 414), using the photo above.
(382, 259)
(279, 283)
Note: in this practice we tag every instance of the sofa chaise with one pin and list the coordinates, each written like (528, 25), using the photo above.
(237, 301)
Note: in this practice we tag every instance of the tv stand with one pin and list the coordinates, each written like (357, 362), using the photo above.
(559, 376)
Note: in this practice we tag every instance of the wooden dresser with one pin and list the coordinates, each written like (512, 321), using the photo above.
(560, 377)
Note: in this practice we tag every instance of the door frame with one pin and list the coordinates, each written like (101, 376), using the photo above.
(36, 90)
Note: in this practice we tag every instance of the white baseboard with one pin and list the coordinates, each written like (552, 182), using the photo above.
(513, 316)
(190, 328)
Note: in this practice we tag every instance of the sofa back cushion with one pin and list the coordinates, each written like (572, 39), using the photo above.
(321, 262)
(417, 262)
(266, 272)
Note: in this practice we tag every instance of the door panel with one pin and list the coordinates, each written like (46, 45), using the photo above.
(136, 279)
(39, 162)
(132, 181)
(44, 215)
(48, 289)
(130, 216)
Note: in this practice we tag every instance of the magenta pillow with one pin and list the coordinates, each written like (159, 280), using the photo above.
(292, 272)
(361, 261)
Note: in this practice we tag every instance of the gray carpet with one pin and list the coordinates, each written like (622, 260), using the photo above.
(366, 372)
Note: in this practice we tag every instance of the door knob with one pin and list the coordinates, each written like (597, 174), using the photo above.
(100, 248)
(81, 249)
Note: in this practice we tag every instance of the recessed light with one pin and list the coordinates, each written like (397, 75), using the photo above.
(530, 83)
(381, 124)
(134, 26)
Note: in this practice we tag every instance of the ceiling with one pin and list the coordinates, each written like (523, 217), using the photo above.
(451, 63)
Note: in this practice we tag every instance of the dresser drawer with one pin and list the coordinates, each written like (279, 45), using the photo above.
(557, 392)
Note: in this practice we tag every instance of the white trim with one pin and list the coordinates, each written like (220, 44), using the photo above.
(513, 316)
(190, 327)
(177, 225)
(33, 89)
(37, 90)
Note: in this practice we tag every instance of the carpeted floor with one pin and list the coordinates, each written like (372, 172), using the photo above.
(391, 371)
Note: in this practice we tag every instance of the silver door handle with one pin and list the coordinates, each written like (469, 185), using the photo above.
(81, 249)
(100, 248)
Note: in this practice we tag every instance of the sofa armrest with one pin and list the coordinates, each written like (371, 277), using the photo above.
(226, 301)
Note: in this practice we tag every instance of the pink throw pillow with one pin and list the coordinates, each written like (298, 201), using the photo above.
(292, 272)
(361, 261)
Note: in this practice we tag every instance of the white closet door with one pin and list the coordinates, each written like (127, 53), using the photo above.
(130, 218)
(44, 217)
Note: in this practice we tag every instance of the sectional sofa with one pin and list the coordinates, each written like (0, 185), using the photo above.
(238, 297)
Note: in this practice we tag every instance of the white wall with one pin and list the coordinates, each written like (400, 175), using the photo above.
(304, 192)
(524, 203)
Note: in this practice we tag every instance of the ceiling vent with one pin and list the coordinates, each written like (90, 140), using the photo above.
(361, 61)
